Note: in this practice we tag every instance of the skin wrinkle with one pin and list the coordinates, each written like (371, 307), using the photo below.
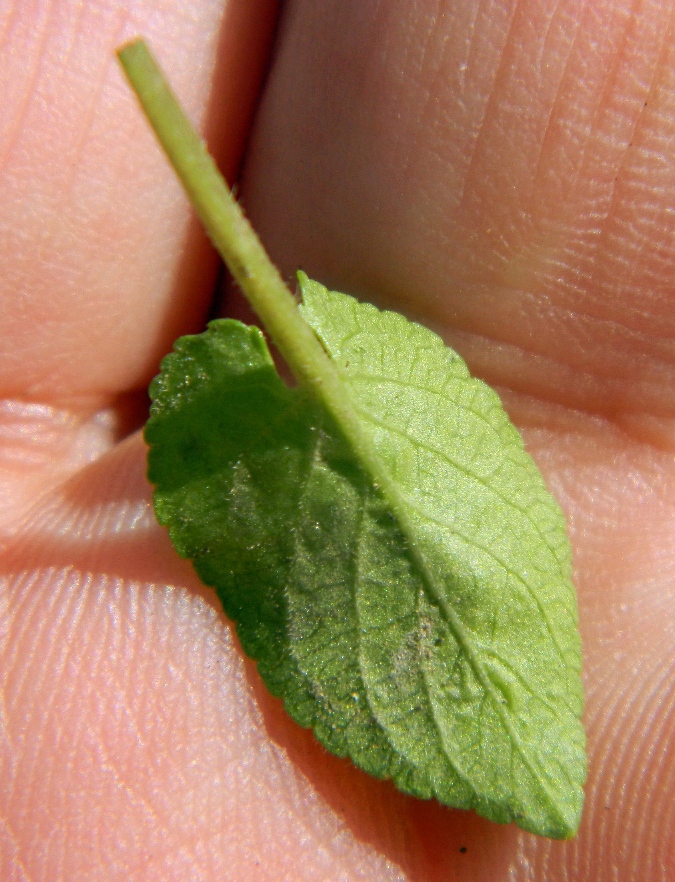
(78, 150)
(619, 783)
(592, 124)
(636, 710)
(583, 394)
(652, 760)
(36, 623)
(53, 666)
(429, 109)
(470, 174)
(664, 49)
(600, 110)
(30, 90)
(663, 807)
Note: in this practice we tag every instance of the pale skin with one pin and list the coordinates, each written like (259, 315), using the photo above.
(504, 172)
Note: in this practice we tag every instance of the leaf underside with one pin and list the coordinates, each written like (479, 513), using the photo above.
(444, 655)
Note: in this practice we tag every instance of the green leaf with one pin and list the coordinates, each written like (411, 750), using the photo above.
(387, 548)
(423, 624)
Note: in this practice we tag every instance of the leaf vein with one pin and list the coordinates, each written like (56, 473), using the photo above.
(442, 455)
(497, 559)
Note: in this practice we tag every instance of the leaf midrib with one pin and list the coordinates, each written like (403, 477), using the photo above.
(367, 415)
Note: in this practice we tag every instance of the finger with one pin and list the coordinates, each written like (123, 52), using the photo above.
(493, 173)
(103, 265)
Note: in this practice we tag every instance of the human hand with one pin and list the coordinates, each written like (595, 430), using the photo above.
(499, 178)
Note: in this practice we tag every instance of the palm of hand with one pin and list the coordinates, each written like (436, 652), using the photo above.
(528, 220)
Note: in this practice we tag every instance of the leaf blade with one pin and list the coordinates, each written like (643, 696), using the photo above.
(269, 489)
(356, 656)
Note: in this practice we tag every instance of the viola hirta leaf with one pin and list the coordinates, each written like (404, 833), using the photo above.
(425, 625)
(386, 546)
